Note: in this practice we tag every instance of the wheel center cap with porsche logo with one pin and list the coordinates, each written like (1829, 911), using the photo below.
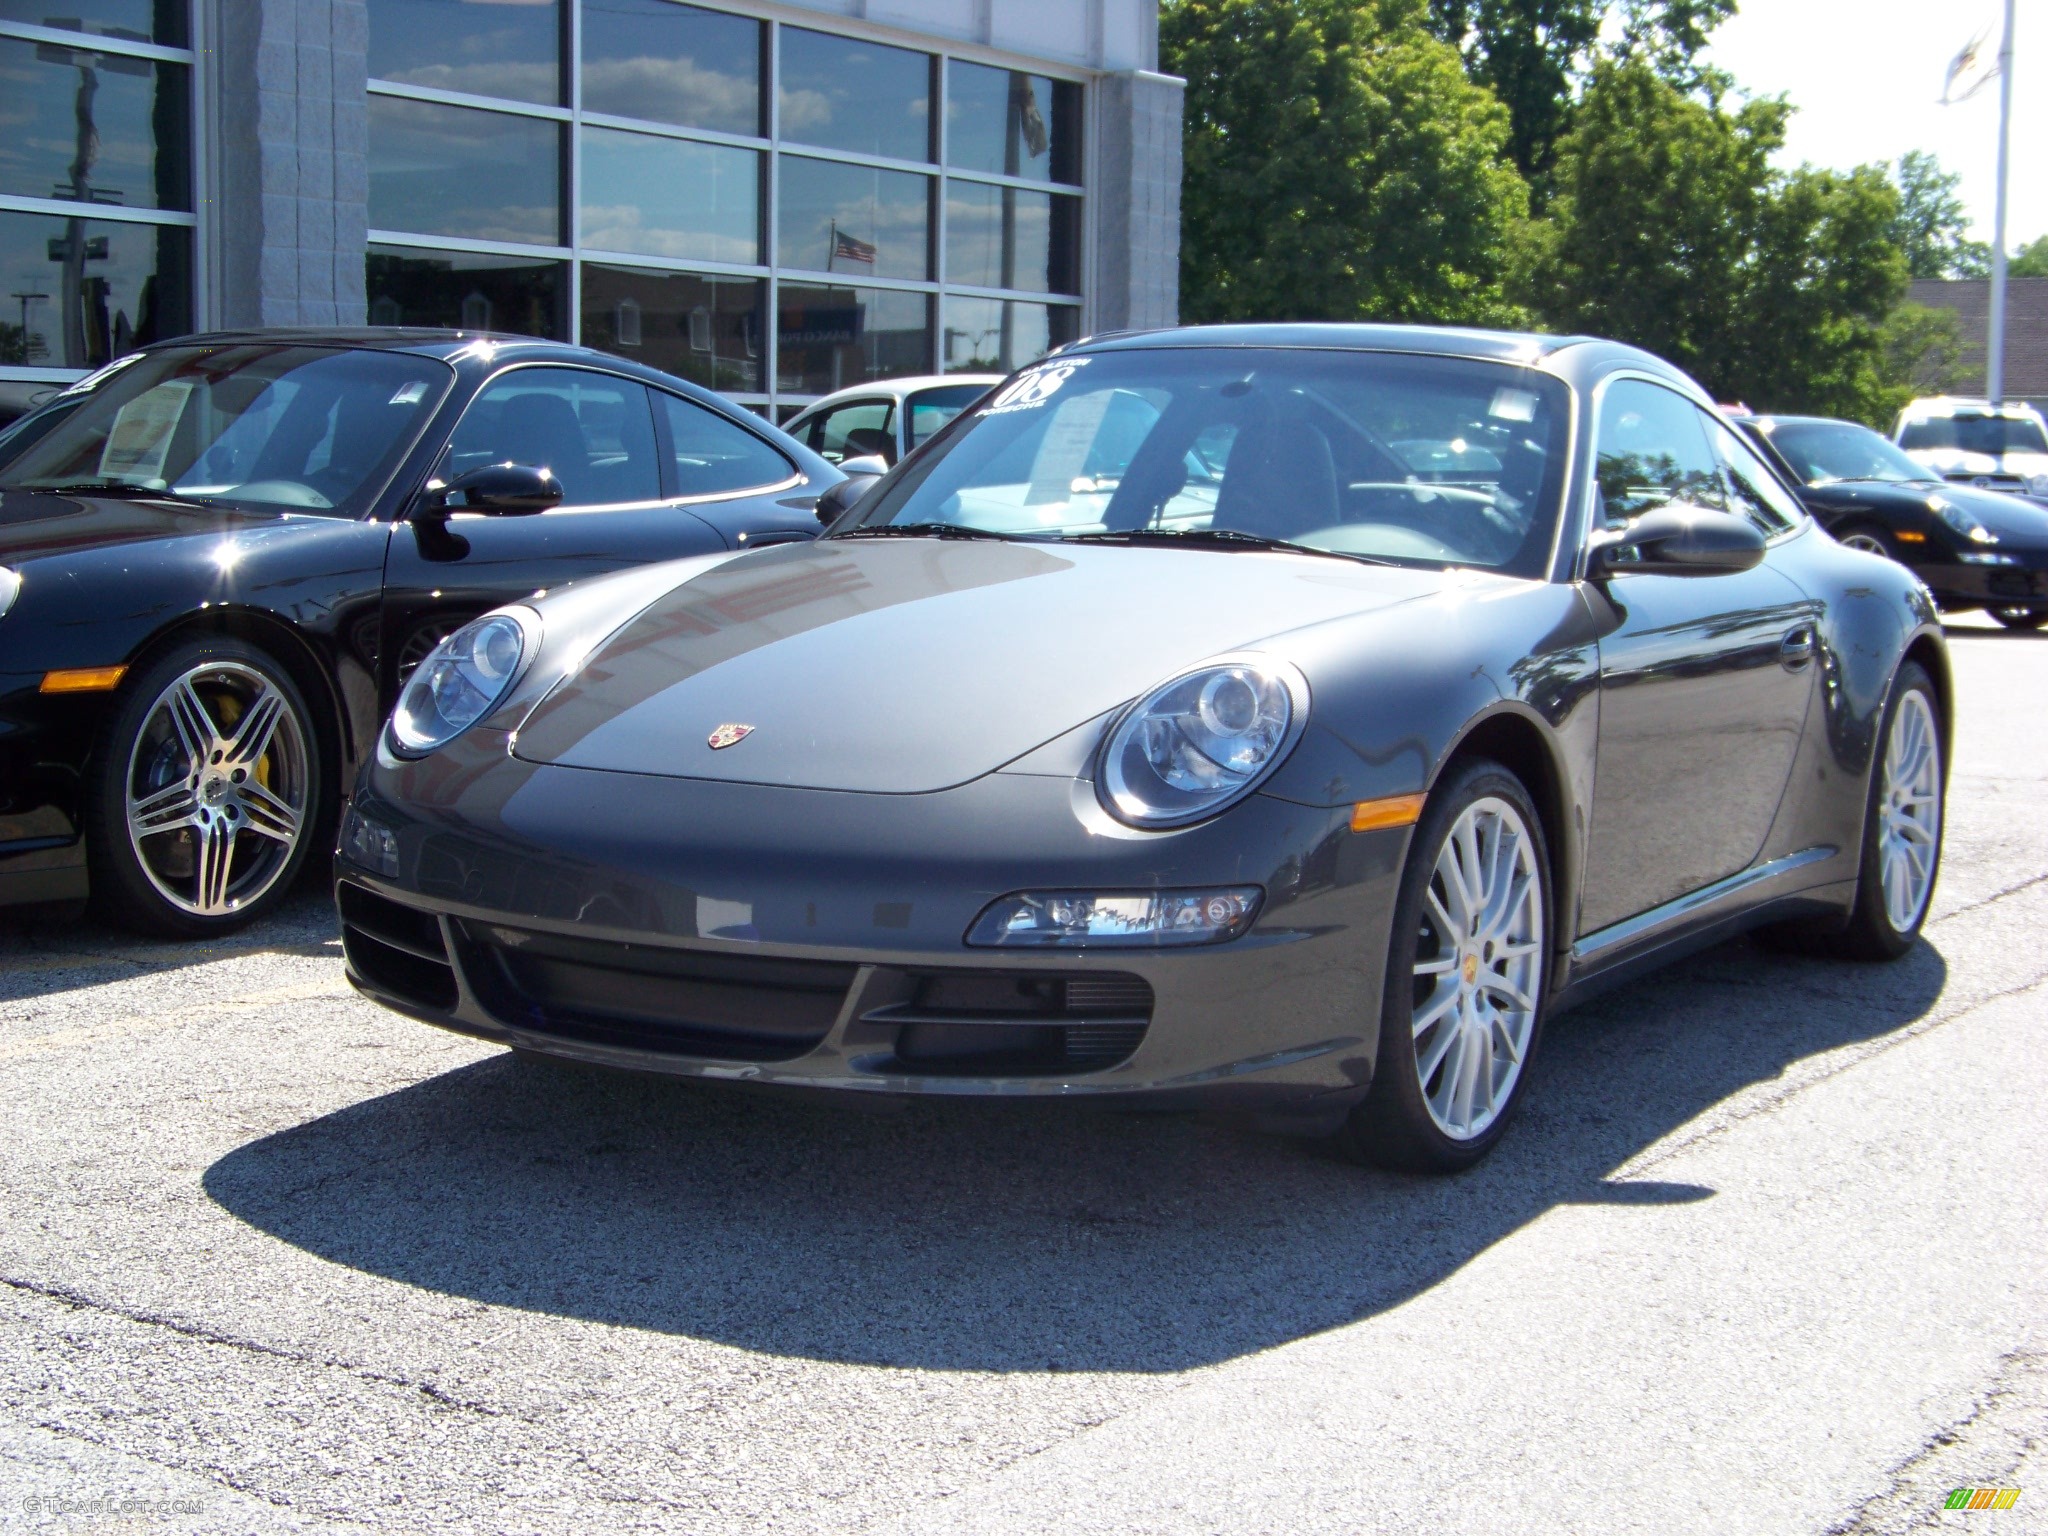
(1471, 969)
(728, 735)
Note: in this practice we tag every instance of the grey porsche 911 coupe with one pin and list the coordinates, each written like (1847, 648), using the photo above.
(1282, 717)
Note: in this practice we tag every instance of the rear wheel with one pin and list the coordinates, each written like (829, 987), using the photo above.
(2021, 618)
(1467, 968)
(206, 787)
(1902, 825)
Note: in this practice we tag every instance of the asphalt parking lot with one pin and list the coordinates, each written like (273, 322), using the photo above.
(1762, 1255)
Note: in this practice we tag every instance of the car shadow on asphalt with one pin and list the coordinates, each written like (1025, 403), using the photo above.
(976, 1236)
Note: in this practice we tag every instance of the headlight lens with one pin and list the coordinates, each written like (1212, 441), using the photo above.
(1962, 522)
(1200, 742)
(10, 588)
(463, 679)
(2037, 485)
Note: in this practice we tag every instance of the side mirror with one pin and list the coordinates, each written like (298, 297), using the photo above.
(1679, 540)
(500, 490)
(864, 464)
(842, 498)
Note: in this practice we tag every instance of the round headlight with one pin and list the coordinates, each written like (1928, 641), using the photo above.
(1963, 521)
(1201, 741)
(462, 680)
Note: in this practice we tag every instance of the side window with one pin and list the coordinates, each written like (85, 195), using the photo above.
(593, 430)
(1757, 493)
(851, 431)
(714, 457)
(1653, 451)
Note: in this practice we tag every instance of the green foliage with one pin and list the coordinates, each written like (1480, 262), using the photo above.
(1529, 54)
(1670, 229)
(1923, 355)
(2030, 260)
(1932, 227)
(1339, 166)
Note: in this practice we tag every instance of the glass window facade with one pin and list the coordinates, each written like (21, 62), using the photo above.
(773, 211)
(103, 123)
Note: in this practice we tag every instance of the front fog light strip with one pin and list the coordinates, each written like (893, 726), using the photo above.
(1115, 919)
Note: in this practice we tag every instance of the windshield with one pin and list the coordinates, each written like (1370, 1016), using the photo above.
(1426, 461)
(315, 429)
(1976, 434)
(1840, 450)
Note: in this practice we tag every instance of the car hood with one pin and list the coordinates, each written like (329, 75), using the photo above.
(2014, 519)
(42, 526)
(1956, 461)
(902, 666)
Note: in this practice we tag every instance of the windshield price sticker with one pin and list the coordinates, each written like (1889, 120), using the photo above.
(1030, 390)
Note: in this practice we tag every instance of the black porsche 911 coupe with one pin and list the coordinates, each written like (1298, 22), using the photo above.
(1974, 548)
(1281, 716)
(220, 557)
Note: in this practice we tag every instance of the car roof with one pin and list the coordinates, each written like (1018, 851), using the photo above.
(1455, 341)
(896, 389)
(1962, 405)
(1803, 421)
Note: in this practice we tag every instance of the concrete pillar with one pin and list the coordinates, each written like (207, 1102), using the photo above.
(1137, 201)
(291, 161)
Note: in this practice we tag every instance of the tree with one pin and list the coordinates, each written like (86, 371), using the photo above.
(1529, 53)
(1670, 229)
(1932, 227)
(1338, 166)
(2030, 260)
(1923, 355)
(1534, 54)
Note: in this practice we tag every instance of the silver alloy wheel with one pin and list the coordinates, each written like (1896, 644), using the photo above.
(1909, 812)
(1869, 543)
(217, 785)
(1478, 965)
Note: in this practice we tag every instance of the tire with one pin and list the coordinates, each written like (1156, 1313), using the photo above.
(1867, 537)
(205, 792)
(1880, 927)
(2020, 618)
(1424, 1112)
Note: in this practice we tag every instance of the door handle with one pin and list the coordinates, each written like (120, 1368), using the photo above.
(1796, 650)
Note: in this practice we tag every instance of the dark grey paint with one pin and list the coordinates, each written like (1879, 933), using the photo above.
(1699, 747)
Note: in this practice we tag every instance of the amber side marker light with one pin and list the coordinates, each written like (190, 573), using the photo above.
(1908, 536)
(1393, 811)
(82, 680)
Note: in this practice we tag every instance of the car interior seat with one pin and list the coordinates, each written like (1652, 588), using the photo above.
(542, 430)
(1281, 481)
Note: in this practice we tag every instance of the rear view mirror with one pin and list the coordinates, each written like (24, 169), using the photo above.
(501, 490)
(1680, 540)
(865, 464)
(844, 496)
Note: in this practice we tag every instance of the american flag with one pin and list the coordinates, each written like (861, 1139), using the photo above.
(846, 248)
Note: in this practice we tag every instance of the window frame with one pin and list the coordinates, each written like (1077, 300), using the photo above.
(1071, 311)
(665, 444)
(441, 456)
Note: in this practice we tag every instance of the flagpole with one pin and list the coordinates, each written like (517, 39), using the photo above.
(1995, 373)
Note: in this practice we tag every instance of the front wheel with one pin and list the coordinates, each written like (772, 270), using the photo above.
(1902, 825)
(205, 791)
(1871, 540)
(1467, 969)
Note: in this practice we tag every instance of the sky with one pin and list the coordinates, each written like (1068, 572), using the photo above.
(1866, 76)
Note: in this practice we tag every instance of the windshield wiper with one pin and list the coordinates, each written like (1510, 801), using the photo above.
(1227, 537)
(923, 531)
(125, 489)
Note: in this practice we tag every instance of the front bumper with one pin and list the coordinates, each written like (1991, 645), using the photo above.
(1994, 586)
(45, 742)
(815, 939)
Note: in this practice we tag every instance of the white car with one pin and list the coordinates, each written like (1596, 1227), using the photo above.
(886, 418)
(1993, 447)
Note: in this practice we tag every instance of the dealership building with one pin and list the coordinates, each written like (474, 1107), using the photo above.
(775, 200)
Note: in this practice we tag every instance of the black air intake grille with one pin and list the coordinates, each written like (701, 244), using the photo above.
(395, 948)
(995, 1024)
(651, 998)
